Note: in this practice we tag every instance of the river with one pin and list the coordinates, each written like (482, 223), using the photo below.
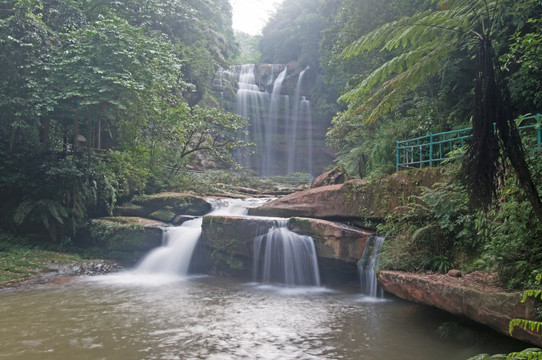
(137, 316)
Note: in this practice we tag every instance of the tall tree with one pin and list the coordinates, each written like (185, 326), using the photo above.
(426, 40)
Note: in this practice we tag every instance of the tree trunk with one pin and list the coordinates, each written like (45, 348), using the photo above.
(44, 132)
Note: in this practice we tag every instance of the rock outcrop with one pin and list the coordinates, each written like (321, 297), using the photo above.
(164, 206)
(231, 239)
(126, 238)
(492, 308)
(358, 201)
(335, 176)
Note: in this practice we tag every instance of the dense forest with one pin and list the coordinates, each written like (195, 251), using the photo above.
(101, 100)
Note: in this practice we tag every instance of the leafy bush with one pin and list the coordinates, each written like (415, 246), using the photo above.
(510, 231)
(433, 232)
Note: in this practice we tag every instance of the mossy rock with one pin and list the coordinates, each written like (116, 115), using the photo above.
(178, 203)
(125, 234)
(361, 202)
(164, 215)
(130, 210)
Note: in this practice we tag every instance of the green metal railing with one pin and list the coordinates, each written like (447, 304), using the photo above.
(431, 150)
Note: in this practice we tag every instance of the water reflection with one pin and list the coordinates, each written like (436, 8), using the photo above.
(118, 317)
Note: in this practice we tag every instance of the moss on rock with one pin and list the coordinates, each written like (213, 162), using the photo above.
(178, 203)
(125, 234)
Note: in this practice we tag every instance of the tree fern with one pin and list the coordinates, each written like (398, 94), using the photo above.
(427, 39)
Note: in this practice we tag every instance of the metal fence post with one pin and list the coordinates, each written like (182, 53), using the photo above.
(431, 150)
(397, 155)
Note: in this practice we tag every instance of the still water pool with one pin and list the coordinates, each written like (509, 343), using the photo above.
(128, 316)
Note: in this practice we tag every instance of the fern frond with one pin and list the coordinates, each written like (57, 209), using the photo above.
(525, 324)
(534, 293)
(423, 231)
(427, 38)
(23, 210)
(527, 354)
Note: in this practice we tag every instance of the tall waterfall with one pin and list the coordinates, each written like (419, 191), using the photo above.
(275, 121)
(368, 265)
(305, 114)
(282, 256)
(292, 134)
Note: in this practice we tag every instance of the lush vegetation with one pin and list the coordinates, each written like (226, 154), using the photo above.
(406, 69)
(101, 100)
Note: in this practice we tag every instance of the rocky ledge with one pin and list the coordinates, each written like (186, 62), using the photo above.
(338, 246)
(360, 202)
(463, 296)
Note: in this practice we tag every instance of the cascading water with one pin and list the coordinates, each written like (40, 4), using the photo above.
(282, 256)
(173, 257)
(271, 124)
(292, 132)
(368, 265)
(274, 121)
(305, 114)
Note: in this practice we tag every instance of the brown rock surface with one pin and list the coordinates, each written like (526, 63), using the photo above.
(335, 176)
(338, 246)
(474, 296)
(332, 240)
(355, 200)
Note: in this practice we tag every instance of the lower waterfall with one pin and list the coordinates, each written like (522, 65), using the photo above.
(282, 256)
(368, 265)
(179, 242)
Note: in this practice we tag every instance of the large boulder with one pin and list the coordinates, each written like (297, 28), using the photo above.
(455, 295)
(361, 202)
(125, 238)
(334, 176)
(332, 240)
(231, 240)
(338, 247)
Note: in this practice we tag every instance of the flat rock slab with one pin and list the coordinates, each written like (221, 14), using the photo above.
(358, 201)
(487, 305)
(164, 206)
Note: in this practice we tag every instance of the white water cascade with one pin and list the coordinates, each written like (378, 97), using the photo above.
(292, 134)
(368, 265)
(282, 256)
(305, 114)
(275, 121)
(173, 257)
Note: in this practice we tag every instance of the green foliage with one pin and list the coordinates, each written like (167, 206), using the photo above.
(511, 233)
(527, 354)
(522, 62)
(249, 52)
(434, 231)
(20, 258)
(81, 77)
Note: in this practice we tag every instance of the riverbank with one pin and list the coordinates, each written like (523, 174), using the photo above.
(477, 296)
(24, 262)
